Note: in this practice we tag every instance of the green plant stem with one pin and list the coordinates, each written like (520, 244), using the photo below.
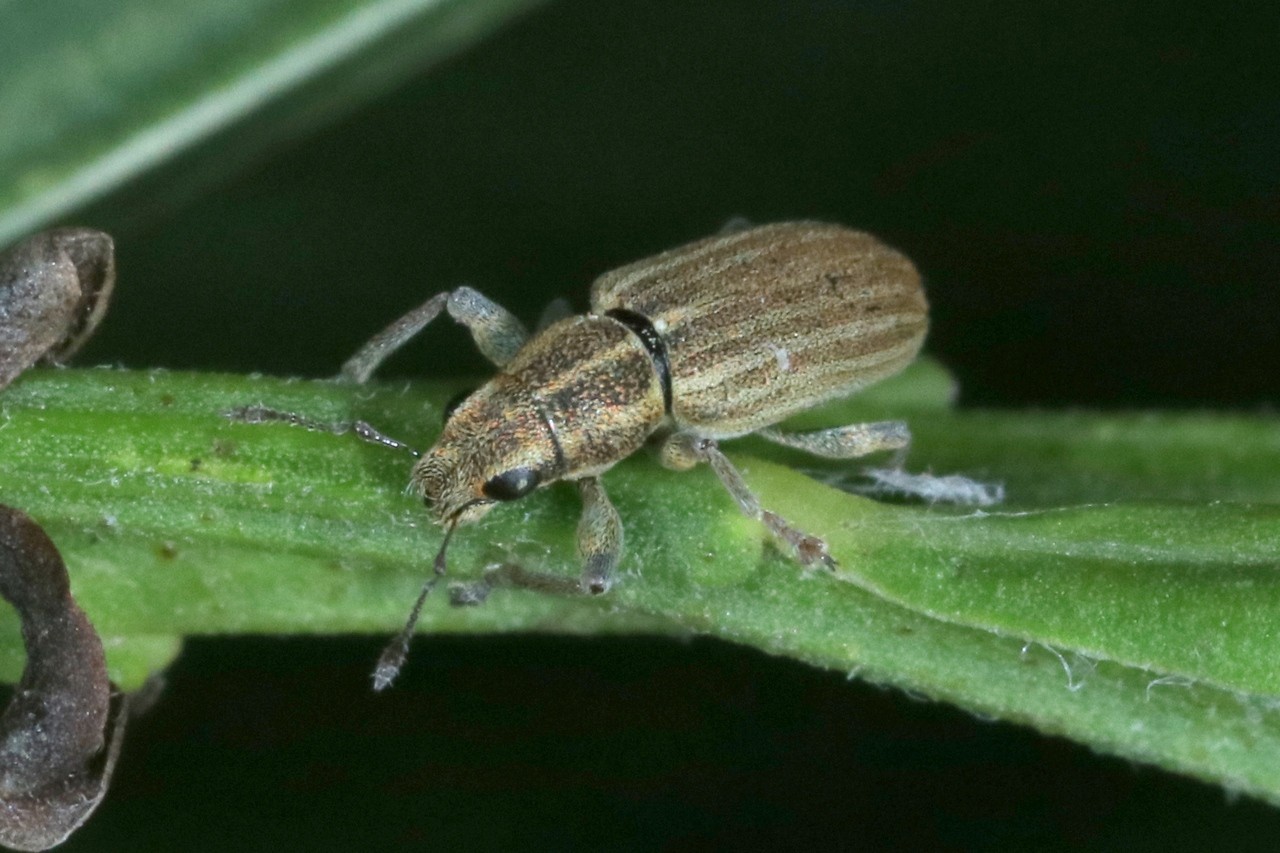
(1124, 595)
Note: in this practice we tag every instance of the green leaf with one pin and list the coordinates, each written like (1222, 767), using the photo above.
(1122, 596)
(95, 93)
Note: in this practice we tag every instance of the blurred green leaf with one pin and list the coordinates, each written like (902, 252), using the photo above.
(95, 93)
(1123, 596)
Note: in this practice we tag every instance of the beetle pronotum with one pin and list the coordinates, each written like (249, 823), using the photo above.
(721, 338)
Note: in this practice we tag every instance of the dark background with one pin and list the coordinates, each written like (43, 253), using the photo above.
(1091, 190)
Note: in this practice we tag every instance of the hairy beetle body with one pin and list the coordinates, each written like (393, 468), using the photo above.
(720, 338)
(717, 339)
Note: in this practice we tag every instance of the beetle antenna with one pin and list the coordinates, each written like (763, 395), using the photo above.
(394, 655)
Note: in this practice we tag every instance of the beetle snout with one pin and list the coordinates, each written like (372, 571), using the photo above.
(447, 488)
(430, 480)
(430, 501)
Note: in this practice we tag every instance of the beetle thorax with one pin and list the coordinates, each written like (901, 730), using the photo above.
(580, 396)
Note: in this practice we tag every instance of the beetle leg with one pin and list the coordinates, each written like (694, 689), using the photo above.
(682, 450)
(599, 546)
(734, 224)
(846, 442)
(512, 576)
(599, 536)
(677, 452)
(496, 331)
(557, 309)
(362, 429)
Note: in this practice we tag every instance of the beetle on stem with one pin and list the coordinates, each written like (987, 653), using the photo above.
(717, 339)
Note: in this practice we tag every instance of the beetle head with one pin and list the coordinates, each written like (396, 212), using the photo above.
(495, 447)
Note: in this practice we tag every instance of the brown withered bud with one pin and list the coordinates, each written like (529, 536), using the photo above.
(54, 289)
(58, 738)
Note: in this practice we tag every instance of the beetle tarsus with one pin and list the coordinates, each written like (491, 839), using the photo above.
(599, 537)
(809, 550)
(362, 429)
(846, 442)
(512, 576)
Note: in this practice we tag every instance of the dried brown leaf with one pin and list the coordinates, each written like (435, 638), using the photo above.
(58, 738)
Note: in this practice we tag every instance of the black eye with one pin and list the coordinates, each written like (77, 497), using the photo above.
(512, 484)
(454, 402)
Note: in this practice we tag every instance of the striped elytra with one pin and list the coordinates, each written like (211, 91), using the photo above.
(763, 323)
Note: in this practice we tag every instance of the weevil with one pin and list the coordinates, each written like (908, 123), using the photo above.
(54, 289)
(721, 338)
